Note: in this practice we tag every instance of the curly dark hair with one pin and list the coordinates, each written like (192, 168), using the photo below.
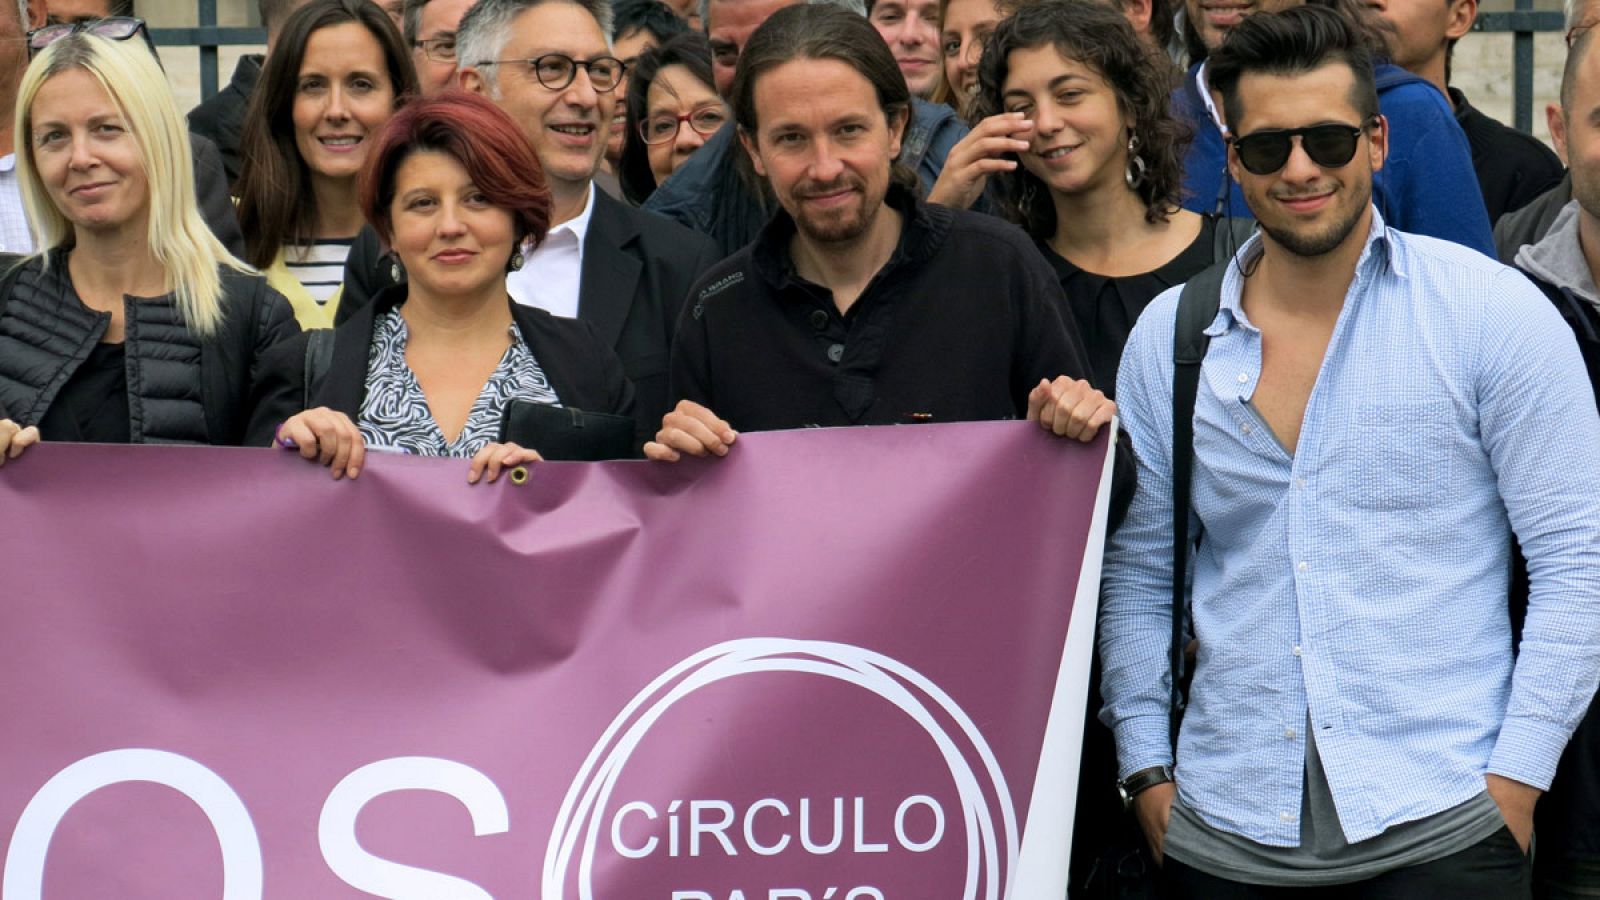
(1100, 37)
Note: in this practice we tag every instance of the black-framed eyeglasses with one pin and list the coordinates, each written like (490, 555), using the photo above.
(116, 28)
(439, 49)
(663, 127)
(556, 70)
(1330, 146)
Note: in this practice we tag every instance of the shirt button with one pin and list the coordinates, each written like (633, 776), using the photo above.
(1303, 567)
(1246, 429)
(819, 319)
(836, 352)
(1299, 482)
(1296, 650)
(1287, 817)
(1289, 733)
(1244, 379)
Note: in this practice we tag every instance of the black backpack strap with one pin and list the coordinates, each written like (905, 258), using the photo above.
(1197, 309)
(319, 359)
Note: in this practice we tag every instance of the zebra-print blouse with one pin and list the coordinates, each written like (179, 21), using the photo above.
(395, 415)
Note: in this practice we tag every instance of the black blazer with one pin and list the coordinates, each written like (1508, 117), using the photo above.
(584, 372)
(638, 268)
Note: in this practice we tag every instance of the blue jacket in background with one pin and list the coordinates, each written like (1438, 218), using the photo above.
(1427, 184)
(711, 194)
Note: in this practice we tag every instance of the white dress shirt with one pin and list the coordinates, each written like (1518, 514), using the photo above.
(551, 275)
(14, 234)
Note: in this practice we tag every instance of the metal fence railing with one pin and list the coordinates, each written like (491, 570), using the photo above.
(1522, 23)
(208, 37)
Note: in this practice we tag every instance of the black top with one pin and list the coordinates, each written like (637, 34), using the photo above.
(93, 405)
(222, 117)
(959, 325)
(1512, 167)
(1105, 308)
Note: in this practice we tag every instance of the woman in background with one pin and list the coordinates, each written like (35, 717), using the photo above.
(673, 109)
(338, 73)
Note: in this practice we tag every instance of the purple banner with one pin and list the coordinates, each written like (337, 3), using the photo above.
(844, 664)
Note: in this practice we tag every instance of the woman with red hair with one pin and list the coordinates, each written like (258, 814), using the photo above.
(430, 366)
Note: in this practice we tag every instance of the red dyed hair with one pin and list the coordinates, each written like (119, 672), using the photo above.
(478, 135)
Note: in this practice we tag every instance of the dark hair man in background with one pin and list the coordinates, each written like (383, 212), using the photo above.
(1513, 167)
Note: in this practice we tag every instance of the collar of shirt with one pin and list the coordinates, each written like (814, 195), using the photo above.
(574, 230)
(923, 232)
(1378, 251)
(1204, 88)
(8, 163)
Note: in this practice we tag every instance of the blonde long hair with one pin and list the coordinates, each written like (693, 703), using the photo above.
(178, 239)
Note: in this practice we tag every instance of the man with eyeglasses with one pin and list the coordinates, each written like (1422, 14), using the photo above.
(1377, 414)
(429, 29)
(548, 64)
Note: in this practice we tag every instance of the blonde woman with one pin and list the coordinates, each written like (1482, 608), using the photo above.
(132, 324)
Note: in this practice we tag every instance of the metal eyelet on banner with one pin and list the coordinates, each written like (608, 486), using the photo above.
(519, 475)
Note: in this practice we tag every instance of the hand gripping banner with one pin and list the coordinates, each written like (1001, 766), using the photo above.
(836, 665)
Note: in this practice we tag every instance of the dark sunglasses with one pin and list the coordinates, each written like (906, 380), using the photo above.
(116, 28)
(1330, 146)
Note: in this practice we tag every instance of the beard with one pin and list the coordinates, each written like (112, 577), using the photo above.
(844, 222)
(1317, 240)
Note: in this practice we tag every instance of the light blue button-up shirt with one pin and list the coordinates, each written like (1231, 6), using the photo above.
(1362, 580)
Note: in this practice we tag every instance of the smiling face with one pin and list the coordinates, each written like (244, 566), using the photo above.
(911, 29)
(676, 92)
(1213, 18)
(568, 127)
(87, 159)
(1079, 141)
(1306, 208)
(967, 26)
(825, 146)
(342, 97)
(450, 238)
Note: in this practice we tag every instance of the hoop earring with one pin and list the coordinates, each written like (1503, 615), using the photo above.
(1137, 171)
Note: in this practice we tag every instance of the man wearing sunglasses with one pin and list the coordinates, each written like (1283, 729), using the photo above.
(1428, 187)
(1378, 413)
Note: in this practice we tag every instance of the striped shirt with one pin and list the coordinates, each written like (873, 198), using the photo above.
(318, 266)
(1361, 580)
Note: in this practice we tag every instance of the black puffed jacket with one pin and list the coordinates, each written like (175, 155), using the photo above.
(181, 389)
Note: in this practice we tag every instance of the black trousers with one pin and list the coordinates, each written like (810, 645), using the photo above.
(1493, 869)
